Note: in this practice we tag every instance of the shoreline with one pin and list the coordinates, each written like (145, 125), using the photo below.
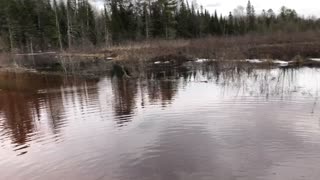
(279, 49)
(170, 62)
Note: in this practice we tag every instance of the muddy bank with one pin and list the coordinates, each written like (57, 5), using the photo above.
(53, 63)
(286, 51)
(128, 64)
(164, 66)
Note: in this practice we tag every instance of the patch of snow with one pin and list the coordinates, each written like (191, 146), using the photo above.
(315, 59)
(42, 91)
(161, 62)
(281, 63)
(255, 60)
(258, 61)
(201, 60)
(109, 58)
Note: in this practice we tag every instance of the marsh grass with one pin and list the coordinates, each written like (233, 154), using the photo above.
(284, 46)
(136, 55)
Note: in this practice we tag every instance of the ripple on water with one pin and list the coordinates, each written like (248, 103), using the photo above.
(262, 124)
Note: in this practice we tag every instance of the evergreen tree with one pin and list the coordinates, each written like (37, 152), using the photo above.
(39, 25)
(146, 19)
(156, 20)
(230, 24)
(183, 19)
(167, 8)
(250, 17)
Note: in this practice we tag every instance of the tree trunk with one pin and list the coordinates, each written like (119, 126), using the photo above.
(106, 36)
(11, 41)
(68, 27)
(32, 52)
(58, 26)
(10, 36)
(106, 29)
(87, 8)
(147, 22)
(167, 34)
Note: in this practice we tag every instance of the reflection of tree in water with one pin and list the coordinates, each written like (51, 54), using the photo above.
(27, 101)
(163, 83)
(25, 98)
(168, 90)
(125, 94)
(241, 77)
(55, 111)
(261, 82)
(79, 93)
(162, 90)
(246, 78)
(20, 103)
(18, 116)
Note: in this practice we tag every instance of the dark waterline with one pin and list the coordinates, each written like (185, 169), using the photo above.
(177, 124)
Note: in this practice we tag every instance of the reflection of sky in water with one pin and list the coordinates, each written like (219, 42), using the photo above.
(259, 124)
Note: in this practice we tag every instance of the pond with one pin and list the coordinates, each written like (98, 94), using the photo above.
(190, 124)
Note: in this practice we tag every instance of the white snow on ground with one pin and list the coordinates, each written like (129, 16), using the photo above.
(315, 59)
(281, 63)
(200, 60)
(255, 60)
(278, 62)
(159, 62)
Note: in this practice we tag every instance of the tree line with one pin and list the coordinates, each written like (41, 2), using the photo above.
(39, 25)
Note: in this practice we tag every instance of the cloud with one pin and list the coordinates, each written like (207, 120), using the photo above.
(213, 5)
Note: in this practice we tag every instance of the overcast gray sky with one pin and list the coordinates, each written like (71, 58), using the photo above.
(305, 7)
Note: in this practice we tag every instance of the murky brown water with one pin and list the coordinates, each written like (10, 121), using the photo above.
(258, 124)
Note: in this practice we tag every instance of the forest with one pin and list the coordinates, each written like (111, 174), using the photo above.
(42, 25)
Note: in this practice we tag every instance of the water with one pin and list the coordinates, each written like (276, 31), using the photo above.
(197, 124)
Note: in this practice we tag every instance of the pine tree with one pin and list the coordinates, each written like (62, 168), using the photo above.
(107, 26)
(57, 21)
(183, 20)
(215, 27)
(39, 25)
(70, 14)
(230, 24)
(250, 17)
(116, 21)
(168, 8)
(156, 20)
(146, 19)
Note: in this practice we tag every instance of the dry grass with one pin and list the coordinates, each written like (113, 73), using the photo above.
(282, 46)
(6, 59)
(274, 46)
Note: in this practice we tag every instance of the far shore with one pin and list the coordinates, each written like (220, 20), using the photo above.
(286, 50)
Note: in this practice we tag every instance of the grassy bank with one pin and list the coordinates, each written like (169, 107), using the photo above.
(297, 47)
(272, 46)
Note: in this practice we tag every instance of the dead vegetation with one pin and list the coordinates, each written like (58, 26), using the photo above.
(282, 46)
(273, 46)
(297, 47)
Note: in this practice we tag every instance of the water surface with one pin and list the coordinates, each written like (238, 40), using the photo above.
(182, 124)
